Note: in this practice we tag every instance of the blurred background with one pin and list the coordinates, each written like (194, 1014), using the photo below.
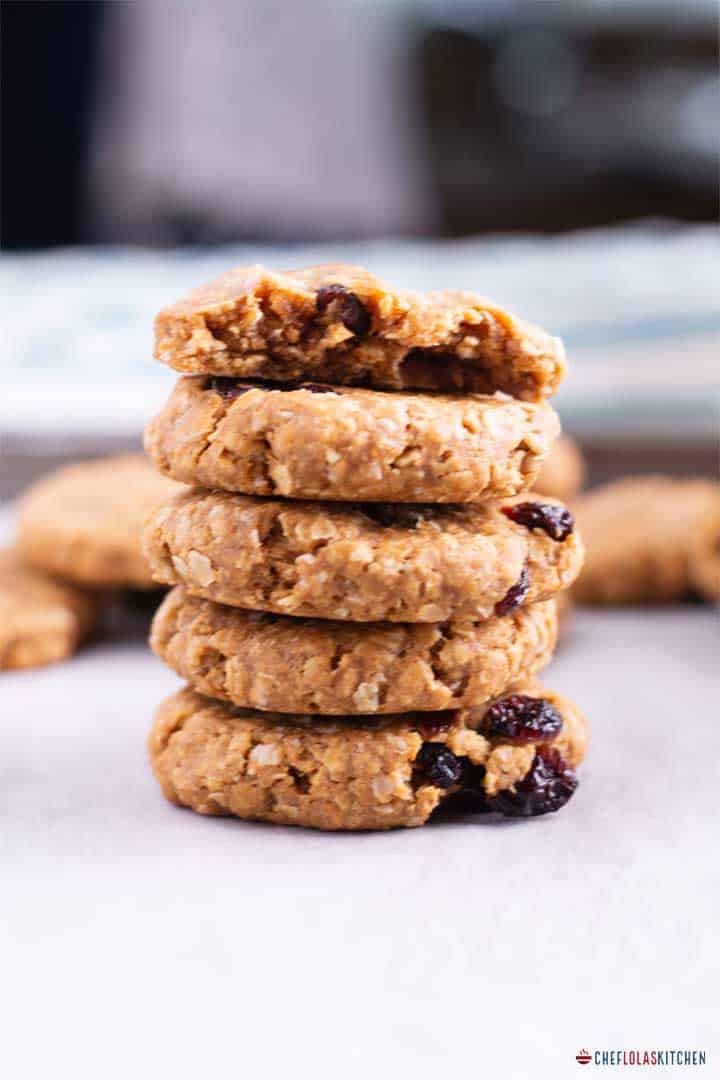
(558, 157)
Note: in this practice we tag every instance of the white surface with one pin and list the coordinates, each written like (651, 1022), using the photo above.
(142, 940)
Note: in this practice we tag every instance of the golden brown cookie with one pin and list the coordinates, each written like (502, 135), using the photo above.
(341, 324)
(564, 607)
(365, 564)
(289, 665)
(346, 443)
(705, 552)
(83, 522)
(41, 621)
(638, 533)
(563, 471)
(514, 756)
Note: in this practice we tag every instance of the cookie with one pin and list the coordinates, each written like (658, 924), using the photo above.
(83, 522)
(289, 665)
(515, 756)
(41, 621)
(341, 324)
(346, 443)
(563, 471)
(564, 608)
(639, 532)
(704, 559)
(364, 563)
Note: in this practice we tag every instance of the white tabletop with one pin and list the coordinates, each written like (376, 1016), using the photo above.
(143, 940)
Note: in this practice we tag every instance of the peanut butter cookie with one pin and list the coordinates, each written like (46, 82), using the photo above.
(639, 532)
(515, 756)
(563, 471)
(705, 552)
(83, 522)
(289, 665)
(341, 324)
(364, 563)
(346, 443)
(41, 621)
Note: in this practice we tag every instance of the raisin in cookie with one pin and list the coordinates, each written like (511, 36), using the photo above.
(364, 563)
(515, 756)
(289, 665)
(639, 533)
(84, 521)
(341, 324)
(41, 621)
(346, 443)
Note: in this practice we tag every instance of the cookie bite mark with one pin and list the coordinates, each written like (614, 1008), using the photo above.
(341, 324)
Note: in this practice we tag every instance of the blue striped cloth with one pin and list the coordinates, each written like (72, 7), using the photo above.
(638, 308)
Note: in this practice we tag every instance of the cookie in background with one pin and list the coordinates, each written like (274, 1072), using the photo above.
(82, 523)
(41, 620)
(77, 563)
(649, 540)
(562, 473)
(704, 564)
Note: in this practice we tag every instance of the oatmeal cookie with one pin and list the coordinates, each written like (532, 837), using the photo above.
(705, 552)
(639, 532)
(364, 563)
(346, 443)
(563, 471)
(83, 522)
(289, 665)
(514, 756)
(341, 324)
(41, 621)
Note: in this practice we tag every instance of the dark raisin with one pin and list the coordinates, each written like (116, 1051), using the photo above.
(352, 312)
(515, 595)
(556, 521)
(522, 718)
(433, 723)
(228, 387)
(548, 786)
(470, 798)
(395, 514)
(299, 779)
(312, 388)
(438, 764)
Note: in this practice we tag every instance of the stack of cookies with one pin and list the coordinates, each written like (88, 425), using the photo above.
(363, 596)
